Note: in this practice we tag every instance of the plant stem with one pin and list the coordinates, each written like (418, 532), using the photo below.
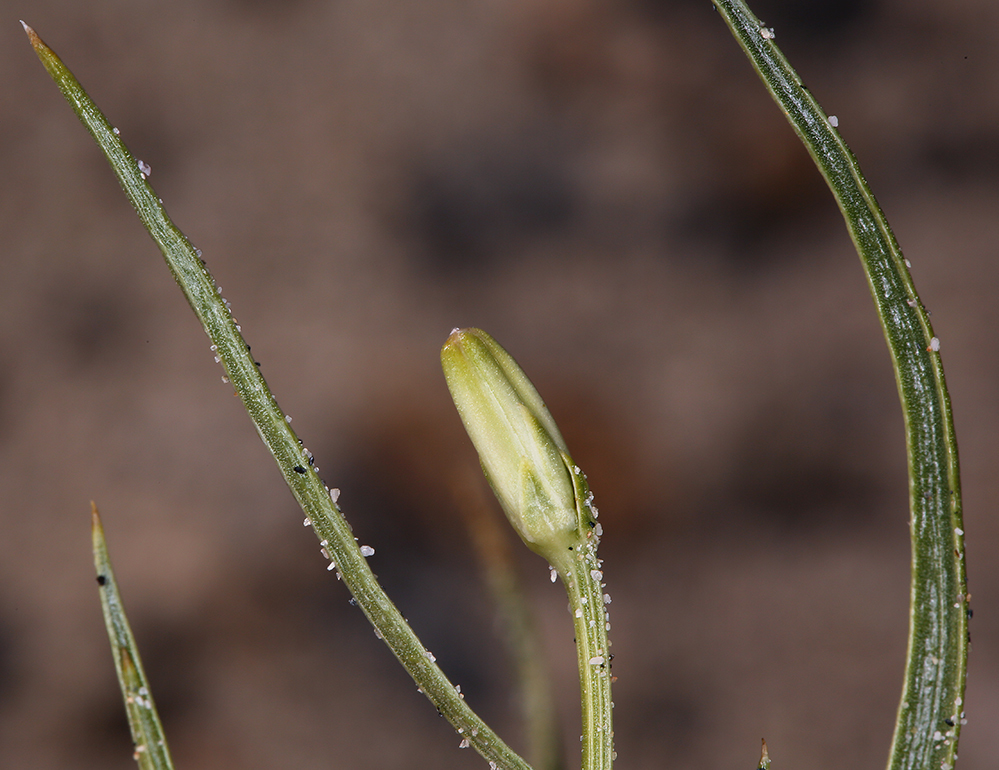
(295, 462)
(491, 542)
(930, 713)
(582, 576)
(583, 582)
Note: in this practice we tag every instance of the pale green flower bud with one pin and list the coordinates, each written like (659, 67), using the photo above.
(521, 450)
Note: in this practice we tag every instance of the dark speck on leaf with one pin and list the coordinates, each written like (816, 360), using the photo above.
(299, 469)
(101, 580)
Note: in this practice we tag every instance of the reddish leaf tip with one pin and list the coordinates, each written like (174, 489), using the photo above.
(32, 35)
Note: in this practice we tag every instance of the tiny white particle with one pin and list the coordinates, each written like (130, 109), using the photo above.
(607, 599)
(934, 344)
(767, 33)
(596, 660)
(225, 379)
(325, 553)
(367, 550)
(958, 530)
(554, 573)
(334, 494)
(907, 263)
(331, 566)
(306, 522)
(430, 656)
(115, 131)
(597, 575)
(465, 743)
(287, 418)
(833, 121)
(144, 169)
(910, 302)
(598, 530)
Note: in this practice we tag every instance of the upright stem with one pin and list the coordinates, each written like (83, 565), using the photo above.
(583, 582)
(930, 714)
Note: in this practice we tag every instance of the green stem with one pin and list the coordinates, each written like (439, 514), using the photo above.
(582, 576)
(491, 542)
(584, 584)
(293, 459)
(931, 710)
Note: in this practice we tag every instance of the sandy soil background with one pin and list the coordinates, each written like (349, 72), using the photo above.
(605, 187)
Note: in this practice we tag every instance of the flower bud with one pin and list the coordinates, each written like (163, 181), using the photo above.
(521, 450)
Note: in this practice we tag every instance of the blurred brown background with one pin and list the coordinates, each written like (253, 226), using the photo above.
(606, 187)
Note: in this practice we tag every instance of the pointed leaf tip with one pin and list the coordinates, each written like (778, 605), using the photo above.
(764, 757)
(32, 35)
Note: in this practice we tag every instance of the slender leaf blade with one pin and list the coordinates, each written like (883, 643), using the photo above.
(273, 426)
(151, 750)
(931, 709)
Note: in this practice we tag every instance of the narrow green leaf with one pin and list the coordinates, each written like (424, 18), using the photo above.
(931, 709)
(151, 750)
(293, 459)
